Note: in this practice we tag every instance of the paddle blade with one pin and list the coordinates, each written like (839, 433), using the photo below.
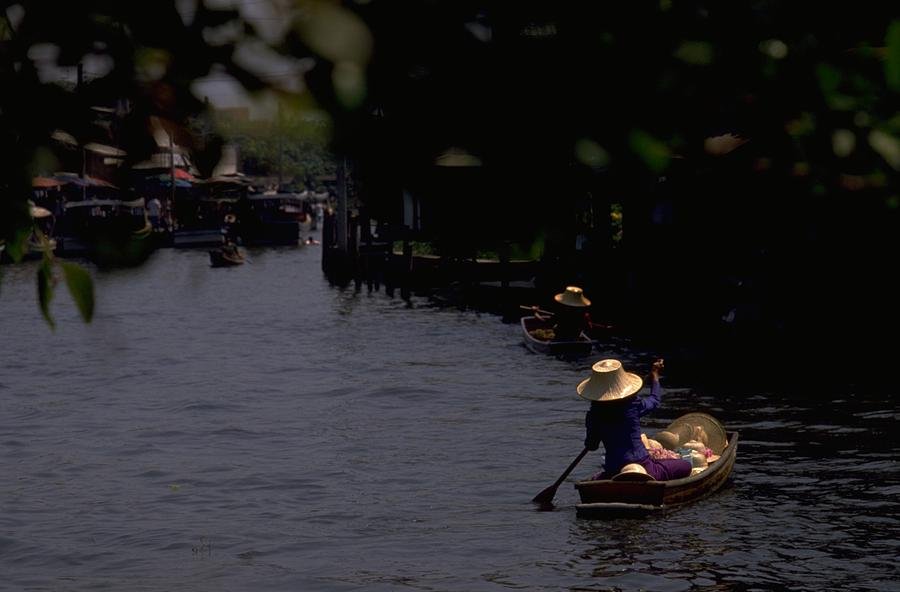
(546, 496)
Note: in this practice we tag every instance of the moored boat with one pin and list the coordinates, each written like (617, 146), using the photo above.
(197, 237)
(41, 240)
(276, 219)
(611, 498)
(111, 231)
(532, 329)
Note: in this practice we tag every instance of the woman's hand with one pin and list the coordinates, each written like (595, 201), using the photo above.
(657, 368)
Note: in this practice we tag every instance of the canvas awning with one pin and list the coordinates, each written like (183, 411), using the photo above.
(39, 212)
(90, 203)
(227, 180)
(105, 150)
(87, 181)
(164, 180)
(45, 183)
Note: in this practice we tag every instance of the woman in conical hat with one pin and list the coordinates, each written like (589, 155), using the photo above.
(570, 318)
(615, 419)
(573, 296)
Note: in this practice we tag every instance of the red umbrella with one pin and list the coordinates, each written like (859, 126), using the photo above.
(183, 174)
(44, 183)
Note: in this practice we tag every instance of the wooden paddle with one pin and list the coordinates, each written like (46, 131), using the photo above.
(546, 496)
(535, 309)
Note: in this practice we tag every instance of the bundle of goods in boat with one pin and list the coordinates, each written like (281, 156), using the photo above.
(543, 334)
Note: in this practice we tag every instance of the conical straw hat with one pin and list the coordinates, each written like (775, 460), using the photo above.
(633, 472)
(573, 296)
(609, 382)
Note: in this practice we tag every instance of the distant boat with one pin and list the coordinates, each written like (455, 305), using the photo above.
(201, 220)
(223, 258)
(112, 231)
(276, 219)
(532, 328)
(41, 239)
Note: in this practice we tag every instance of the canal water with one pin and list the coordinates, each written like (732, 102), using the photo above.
(254, 428)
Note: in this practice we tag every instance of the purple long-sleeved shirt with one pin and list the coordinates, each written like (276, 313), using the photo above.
(618, 426)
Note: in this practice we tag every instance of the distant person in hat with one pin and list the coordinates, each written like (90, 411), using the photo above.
(615, 419)
(229, 228)
(573, 316)
(154, 212)
(570, 318)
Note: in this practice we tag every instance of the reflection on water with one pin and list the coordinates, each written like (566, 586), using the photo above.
(253, 428)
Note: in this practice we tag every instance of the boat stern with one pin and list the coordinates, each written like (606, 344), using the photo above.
(614, 510)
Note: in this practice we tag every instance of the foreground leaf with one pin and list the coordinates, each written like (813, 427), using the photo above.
(892, 61)
(17, 245)
(653, 152)
(81, 287)
(45, 290)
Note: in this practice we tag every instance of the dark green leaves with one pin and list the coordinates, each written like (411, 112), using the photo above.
(45, 290)
(81, 287)
(892, 61)
(654, 153)
(18, 243)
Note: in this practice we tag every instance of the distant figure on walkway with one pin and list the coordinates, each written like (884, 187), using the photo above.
(311, 241)
(615, 419)
(154, 212)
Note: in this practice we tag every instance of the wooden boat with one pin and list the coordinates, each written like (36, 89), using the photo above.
(220, 258)
(623, 499)
(570, 349)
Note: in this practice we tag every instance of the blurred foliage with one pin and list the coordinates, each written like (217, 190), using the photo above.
(552, 101)
(45, 286)
(295, 141)
(81, 287)
(78, 281)
(418, 248)
(144, 55)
